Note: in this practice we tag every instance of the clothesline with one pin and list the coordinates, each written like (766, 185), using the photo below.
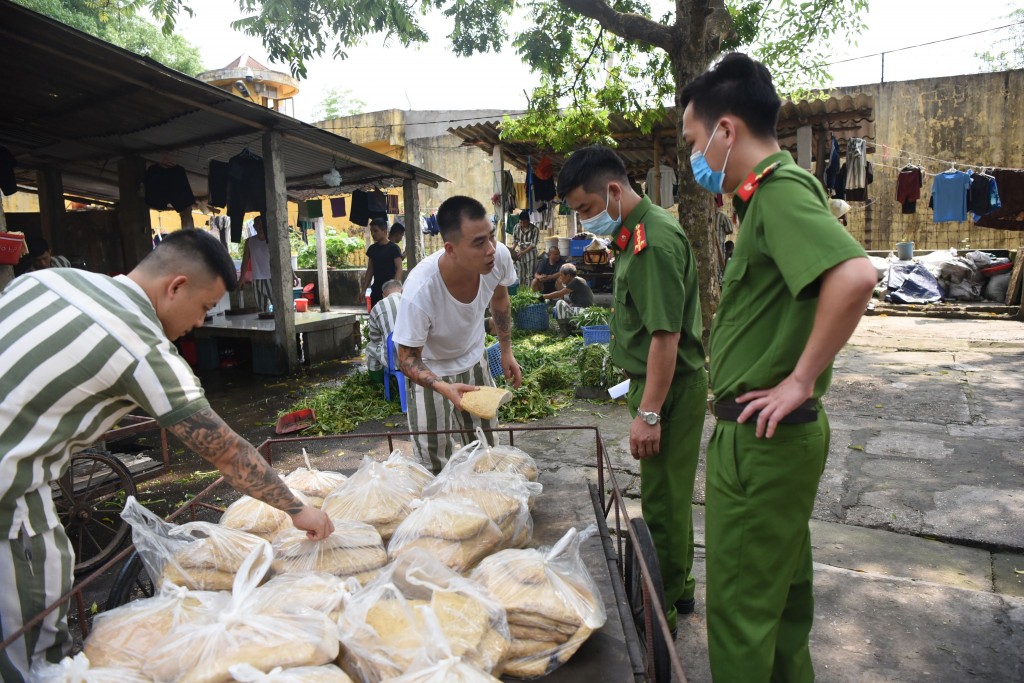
(896, 152)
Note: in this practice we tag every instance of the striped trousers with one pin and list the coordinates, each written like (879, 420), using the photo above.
(262, 290)
(35, 571)
(565, 311)
(430, 411)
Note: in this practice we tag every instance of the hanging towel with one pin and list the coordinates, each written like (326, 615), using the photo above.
(315, 208)
(950, 196)
(338, 207)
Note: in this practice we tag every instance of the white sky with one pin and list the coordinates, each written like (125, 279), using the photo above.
(431, 77)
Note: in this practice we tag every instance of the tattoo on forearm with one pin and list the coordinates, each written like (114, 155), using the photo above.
(242, 465)
(410, 362)
(503, 324)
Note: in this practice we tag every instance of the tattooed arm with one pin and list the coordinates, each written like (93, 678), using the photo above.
(501, 312)
(246, 470)
(410, 362)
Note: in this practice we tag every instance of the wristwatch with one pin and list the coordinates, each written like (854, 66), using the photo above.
(649, 416)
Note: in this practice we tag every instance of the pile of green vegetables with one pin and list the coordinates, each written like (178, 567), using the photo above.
(552, 369)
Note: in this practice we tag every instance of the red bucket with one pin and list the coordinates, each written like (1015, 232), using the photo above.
(10, 248)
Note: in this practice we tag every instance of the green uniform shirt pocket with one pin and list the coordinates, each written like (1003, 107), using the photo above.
(731, 306)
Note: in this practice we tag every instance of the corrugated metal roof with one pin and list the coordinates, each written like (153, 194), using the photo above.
(846, 116)
(78, 103)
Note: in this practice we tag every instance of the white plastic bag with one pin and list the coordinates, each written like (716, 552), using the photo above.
(313, 483)
(551, 602)
(318, 591)
(437, 664)
(379, 493)
(77, 669)
(499, 458)
(456, 530)
(328, 673)
(195, 555)
(248, 631)
(354, 549)
(124, 636)
(256, 517)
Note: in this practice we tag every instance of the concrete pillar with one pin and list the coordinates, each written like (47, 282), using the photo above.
(132, 212)
(276, 222)
(323, 285)
(497, 166)
(804, 136)
(51, 208)
(411, 189)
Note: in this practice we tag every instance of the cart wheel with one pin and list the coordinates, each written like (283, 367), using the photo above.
(132, 583)
(655, 643)
(89, 499)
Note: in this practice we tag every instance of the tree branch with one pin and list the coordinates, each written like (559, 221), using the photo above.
(629, 26)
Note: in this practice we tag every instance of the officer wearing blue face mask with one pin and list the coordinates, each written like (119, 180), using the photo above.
(656, 339)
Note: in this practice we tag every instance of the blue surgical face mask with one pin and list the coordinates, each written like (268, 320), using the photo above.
(702, 173)
(603, 223)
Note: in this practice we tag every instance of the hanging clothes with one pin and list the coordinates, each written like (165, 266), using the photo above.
(860, 194)
(392, 201)
(856, 164)
(360, 209)
(8, 183)
(167, 185)
(315, 208)
(984, 196)
(377, 204)
(666, 198)
(221, 226)
(1010, 214)
(950, 192)
(508, 192)
(217, 183)
(832, 169)
(908, 188)
(338, 207)
(246, 190)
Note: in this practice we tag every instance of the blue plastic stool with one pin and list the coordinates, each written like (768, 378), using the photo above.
(392, 371)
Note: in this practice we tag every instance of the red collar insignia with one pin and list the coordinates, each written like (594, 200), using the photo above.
(640, 243)
(623, 239)
(750, 185)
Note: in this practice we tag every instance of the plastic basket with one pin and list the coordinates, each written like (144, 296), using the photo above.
(532, 317)
(596, 334)
(577, 247)
(10, 248)
(494, 360)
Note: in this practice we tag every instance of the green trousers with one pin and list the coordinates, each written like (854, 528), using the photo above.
(666, 482)
(760, 602)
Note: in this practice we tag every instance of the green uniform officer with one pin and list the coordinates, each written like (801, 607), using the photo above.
(792, 295)
(656, 338)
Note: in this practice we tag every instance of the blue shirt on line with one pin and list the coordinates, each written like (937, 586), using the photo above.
(949, 196)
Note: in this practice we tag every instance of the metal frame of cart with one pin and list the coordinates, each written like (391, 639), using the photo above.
(629, 553)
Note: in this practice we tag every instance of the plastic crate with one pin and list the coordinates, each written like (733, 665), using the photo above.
(494, 359)
(596, 334)
(532, 317)
(577, 247)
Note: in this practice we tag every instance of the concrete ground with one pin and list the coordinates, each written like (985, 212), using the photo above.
(918, 529)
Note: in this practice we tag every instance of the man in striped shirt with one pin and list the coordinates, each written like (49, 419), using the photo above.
(78, 351)
(381, 324)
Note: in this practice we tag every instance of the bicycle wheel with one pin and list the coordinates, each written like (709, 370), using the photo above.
(89, 499)
(132, 583)
(651, 635)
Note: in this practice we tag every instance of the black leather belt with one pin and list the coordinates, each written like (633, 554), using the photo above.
(731, 411)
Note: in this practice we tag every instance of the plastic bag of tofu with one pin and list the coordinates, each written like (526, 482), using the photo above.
(378, 493)
(328, 673)
(256, 517)
(248, 631)
(313, 483)
(78, 669)
(497, 458)
(454, 529)
(354, 549)
(505, 497)
(317, 591)
(472, 623)
(436, 663)
(124, 636)
(195, 555)
(551, 602)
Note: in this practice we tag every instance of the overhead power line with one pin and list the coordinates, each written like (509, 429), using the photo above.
(931, 42)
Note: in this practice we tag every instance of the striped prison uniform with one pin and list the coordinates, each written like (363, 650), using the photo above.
(78, 351)
(430, 411)
(565, 310)
(381, 324)
(263, 297)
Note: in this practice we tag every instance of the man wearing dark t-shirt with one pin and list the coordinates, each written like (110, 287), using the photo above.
(547, 272)
(383, 262)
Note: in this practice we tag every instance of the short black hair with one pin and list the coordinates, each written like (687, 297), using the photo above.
(396, 228)
(37, 246)
(524, 216)
(189, 248)
(379, 223)
(453, 211)
(591, 168)
(737, 85)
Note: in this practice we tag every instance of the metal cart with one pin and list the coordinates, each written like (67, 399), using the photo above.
(635, 643)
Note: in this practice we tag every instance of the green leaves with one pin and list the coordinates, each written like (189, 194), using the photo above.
(338, 248)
